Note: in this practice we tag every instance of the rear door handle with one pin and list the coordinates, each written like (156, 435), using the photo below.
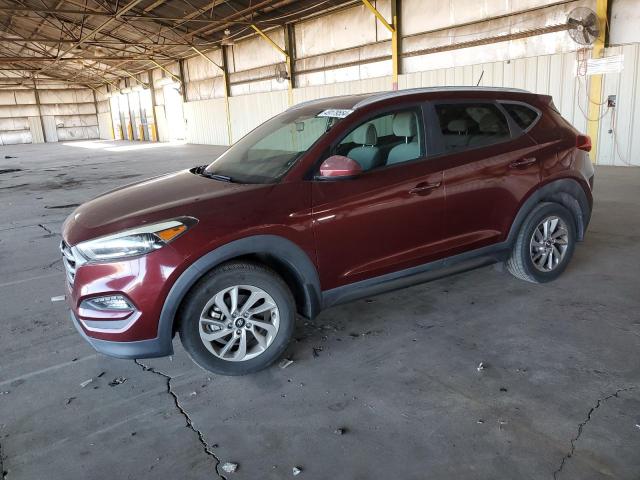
(523, 162)
(424, 188)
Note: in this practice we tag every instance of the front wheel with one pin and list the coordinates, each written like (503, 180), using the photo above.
(544, 245)
(238, 319)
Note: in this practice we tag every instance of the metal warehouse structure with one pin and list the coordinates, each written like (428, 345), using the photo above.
(209, 71)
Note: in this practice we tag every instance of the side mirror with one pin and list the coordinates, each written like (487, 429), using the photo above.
(339, 166)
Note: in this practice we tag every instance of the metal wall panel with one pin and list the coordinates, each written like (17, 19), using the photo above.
(625, 18)
(37, 135)
(104, 126)
(619, 133)
(207, 122)
(378, 84)
(249, 111)
(163, 127)
(50, 128)
(555, 75)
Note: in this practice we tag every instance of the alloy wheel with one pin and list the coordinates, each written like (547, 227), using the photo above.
(549, 243)
(239, 323)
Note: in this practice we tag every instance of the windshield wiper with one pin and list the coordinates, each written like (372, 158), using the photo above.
(215, 176)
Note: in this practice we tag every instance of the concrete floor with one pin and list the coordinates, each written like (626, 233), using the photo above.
(559, 396)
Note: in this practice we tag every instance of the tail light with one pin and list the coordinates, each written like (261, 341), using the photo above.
(583, 142)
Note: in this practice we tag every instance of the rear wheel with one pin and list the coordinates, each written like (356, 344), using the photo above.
(544, 245)
(238, 319)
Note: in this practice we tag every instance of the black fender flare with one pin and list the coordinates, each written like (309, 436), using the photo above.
(566, 191)
(285, 251)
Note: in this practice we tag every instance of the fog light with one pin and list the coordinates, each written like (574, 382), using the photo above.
(111, 302)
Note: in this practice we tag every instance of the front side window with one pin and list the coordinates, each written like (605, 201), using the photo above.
(471, 125)
(268, 152)
(385, 140)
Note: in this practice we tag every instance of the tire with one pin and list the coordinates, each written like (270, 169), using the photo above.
(544, 269)
(203, 314)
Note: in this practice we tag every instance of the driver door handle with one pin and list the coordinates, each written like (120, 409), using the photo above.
(424, 188)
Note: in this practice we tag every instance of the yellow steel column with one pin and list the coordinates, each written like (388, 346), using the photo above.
(595, 81)
(394, 38)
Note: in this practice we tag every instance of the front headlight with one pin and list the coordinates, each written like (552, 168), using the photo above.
(136, 241)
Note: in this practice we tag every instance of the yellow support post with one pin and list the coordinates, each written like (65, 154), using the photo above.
(393, 28)
(595, 81)
(287, 58)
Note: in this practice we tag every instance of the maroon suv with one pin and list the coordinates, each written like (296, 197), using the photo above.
(330, 201)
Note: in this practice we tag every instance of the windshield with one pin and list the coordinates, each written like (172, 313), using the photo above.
(269, 151)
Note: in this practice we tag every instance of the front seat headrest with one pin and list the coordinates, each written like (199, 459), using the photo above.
(459, 126)
(404, 124)
(366, 134)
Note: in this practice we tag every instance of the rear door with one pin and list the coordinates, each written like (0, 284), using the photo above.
(388, 218)
(490, 165)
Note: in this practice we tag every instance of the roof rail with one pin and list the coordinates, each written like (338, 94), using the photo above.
(375, 97)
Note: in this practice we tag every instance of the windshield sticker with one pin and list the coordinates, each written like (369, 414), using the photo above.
(334, 112)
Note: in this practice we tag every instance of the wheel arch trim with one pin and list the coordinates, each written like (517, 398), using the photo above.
(568, 192)
(287, 252)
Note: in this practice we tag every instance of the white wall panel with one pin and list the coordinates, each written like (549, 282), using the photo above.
(619, 134)
(340, 30)
(163, 127)
(206, 122)
(50, 129)
(198, 68)
(625, 18)
(346, 88)
(249, 111)
(67, 107)
(105, 127)
(77, 133)
(256, 51)
(37, 135)
(553, 75)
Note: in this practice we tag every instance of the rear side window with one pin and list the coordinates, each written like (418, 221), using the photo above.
(471, 125)
(523, 115)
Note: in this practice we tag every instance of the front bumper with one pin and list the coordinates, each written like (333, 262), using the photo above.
(143, 282)
(156, 347)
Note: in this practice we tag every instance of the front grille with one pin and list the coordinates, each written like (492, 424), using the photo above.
(69, 261)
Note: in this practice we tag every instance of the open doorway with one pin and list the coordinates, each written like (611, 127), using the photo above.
(173, 109)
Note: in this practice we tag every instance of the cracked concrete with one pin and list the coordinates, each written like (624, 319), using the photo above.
(581, 426)
(189, 423)
(46, 229)
(397, 372)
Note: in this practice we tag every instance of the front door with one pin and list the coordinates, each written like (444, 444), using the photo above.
(388, 218)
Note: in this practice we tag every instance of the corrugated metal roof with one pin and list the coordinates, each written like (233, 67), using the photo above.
(109, 40)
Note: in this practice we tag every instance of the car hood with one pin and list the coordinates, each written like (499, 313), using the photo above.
(156, 199)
